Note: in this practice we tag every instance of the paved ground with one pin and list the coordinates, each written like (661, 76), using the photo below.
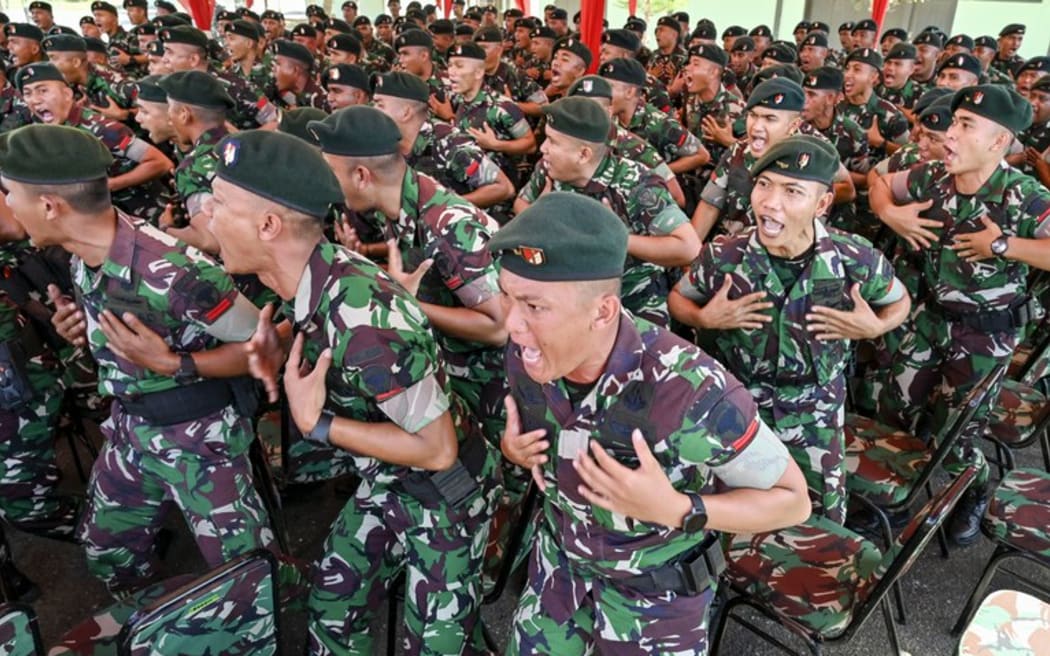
(935, 590)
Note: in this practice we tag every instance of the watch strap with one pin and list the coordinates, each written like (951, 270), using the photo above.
(322, 430)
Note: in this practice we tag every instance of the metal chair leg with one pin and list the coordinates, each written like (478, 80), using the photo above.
(393, 599)
(891, 628)
(271, 498)
(1001, 552)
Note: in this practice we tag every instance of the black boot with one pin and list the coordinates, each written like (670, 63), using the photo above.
(965, 526)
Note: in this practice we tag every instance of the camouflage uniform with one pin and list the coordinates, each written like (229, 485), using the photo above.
(261, 73)
(510, 81)
(388, 368)
(893, 125)
(312, 95)
(105, 85)
(251, 107)
(502, 115)
(665, 133)
(725, 106)
(903, 97)
(1007, 66)
(379, 57)
(943, 352)
(655, 93)
(1037, 136)
(996, 76)
(627, 145)
(452, 157)
(194, 174)
(666, 66)
(798, 382)
(200, 464)
(146, 200)
(641, 199)
(854, 151)
(698, 421)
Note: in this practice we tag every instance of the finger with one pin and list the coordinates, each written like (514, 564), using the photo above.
(513, 425)
(422, 269)
(754, 297)
(394, 256)
(641, 448)
(295, 358)
(928, 223)
(594, 499)
(111, 326)
(133, 323)
(537, 475)
(324, 361)
(591, 474)
(752, 317)
(55, 295)
(727, 283)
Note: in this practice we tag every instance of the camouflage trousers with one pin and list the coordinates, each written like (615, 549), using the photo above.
(482, 384)
(565, 611)
(935, 367)
(201, 466)
(307, 462)
(381, 533)
(819, 448)
(28, 473)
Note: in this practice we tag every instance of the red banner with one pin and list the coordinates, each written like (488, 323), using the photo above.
(202, 11)
(592, 12)
(878, 11)
(523, 6)
(447, 4)
(632, 7)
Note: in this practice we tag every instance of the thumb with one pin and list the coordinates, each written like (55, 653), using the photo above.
(988, 223)
(513, 423)
(131, 321)
(393, 255)
(324, 361)
(854, 292)
(54, 293)
(925, 205)
(422, 269)
(641, 448)
(727, 283)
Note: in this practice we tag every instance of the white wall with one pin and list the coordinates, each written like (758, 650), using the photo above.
(979, 17)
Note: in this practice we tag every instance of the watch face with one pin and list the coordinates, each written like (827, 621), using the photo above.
(999, 246)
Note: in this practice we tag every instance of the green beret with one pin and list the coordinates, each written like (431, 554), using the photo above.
(184, 34)
(623, 69)
(24, 30)
(743, 44)
(580, 118)
(761, 30)
(704, 31)
(962, 61)
(442, 27)
(1040, 63)
(149, 90)
(347, 75)
(295, 122)
(820, 26)
(53, 154)
(384, 19)
(866, 25)
(563, 236)
(1042, 84)
(302, 180)
(902, 51)
(358, 131)
(245, 28)
(734, 31)
(961, 40)
(345, 43)
(986, 42)
(559, 14)
(63, 43)
(522, 23)
(293, 50)
(541, 32)
(196, 88)
(788, 71)
(86, 20)
(169, 20)
(625, 39)
(146, 29)
(929, 96)
(102, 5)
(165, 5)
(413, 38)
(1012, 28)
(37, 72)
(591, 86)
(801, 156)
(141, 4)
(827, 78)
(304, 29)
(930, 39)
(895, 32)
(154, 48)
(339, 25)
(488, 35)
(711, 53)
(37, 4)
(576, 47)
(997, 103)
(778, 93)
(938, 116)
(468, 50)
(780, 53)
(869, 56)
(401, 85)
(272, 14)
(815, 39)
(671, 22)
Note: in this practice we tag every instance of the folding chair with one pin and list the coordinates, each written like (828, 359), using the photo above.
(19, 633)
(1022, 415)
(821, 581)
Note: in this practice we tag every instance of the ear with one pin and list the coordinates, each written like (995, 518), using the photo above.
(825, 201)
(608, 311)
(271, 227)
(52, 206)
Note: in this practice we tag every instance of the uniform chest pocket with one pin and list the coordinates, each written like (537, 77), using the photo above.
(830, 293)
(631, 411)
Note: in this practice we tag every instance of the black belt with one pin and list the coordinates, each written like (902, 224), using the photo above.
(180, 404)
(453, 485)
(693, 573)
(1018, 315)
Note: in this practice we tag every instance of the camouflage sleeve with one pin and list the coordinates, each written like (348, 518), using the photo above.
(193, 183)
(651, 204)
(868, 266)
(137, 149)
(759, 464)
(511, 121)
(911, 186)
(117, 137)
(462, 257)
(677, 141)
(693, 284)
(714, 192)
(894, 126)
(203, 294)
(1035, 212)
(534, 187)
(466, 161)
(415, 407)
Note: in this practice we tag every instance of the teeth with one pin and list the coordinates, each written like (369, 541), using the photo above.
(770, 227)
(530, 355)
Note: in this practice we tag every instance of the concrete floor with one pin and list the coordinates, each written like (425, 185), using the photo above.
(935, 590)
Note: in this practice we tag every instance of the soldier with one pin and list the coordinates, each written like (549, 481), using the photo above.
(135, 177)
(521, 53)
(681, 149)
(958, 71)
(242, 46)
(710, 109)
(802, 28)
(813, 52)
(785, 298)
(576, 158)
(1036, 139)
(542, 50)
(1031, 71)
(384, 29)
(43, 17)
(379, 57)
(185, 49)
(503, 78)
(437, 148)
(88, 29)
(346, 85)
(495, 122)
(273, 26)
(668, 60)
(1006, 58)
(306, 35)
(558, 22)
(624, 43)
(886, 126)
(928, 46)
(640, 28)
(344, 49)
(23, 44)
(293, 77)
(570, 62)
(742, 62)
(985, 49)
(990, 220)
(415, 50)
(164, 7)
(730, 35)
(103, 90)
(891, 38)
(863, 34)
(349, 9)
(154, 316)
(625, 428)
(897, 85)
(108, 21)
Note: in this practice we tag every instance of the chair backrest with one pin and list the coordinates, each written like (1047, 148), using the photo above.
(231, 610)
(1037, 366)
(910, 544)
(954, 427)
(19, 634)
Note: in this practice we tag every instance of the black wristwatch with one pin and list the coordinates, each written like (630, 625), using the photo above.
(322, 429)
(999, 245)
(187, 371)
(696, 519)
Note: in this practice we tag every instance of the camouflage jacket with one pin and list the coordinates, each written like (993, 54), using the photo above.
(788, 371)
(379, 57)
(849, 140)
(312, 95)
(655, 93)
(508, 80)
(194, 174)
(437, 224)
(905, 157)
(666, 66)
(641, 199)
(696, 418)
(1018, 204)
(537, 70)
(104, 85)
(667, 135)
(1007, 66)
(628, 145)
(996, 76)
(440, 86)
(903, 97)
(452, 157)
(1036, 136)
(385, 362)
(893, 125)
(725, 106)
(259, 76)
(502, 115)
(174, 289)
(252, 108)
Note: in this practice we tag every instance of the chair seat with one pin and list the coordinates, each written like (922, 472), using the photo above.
(1019, 512)
(815, 573)
(882, 463)
(97, 635)
(1007, 623)
(1014, 416)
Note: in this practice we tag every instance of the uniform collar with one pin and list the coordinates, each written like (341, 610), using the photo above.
(121, 256)
(313, 281)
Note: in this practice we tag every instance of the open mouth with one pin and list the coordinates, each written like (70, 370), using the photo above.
(45, 115)
(847, 86)
(758, 144)
(769, 226)
(949, 155)
(531, 356)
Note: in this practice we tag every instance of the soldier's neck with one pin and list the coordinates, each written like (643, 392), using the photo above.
(591, 369)
(409, 131)
(823, 122)
(708, 93)
(970, 182)
(287, 267)
(860, 97)
(92, 243)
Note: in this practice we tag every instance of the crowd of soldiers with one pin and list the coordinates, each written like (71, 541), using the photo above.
(191, 230)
